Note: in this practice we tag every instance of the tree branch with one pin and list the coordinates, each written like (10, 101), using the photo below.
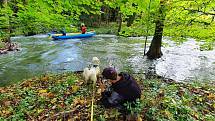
(199, 11)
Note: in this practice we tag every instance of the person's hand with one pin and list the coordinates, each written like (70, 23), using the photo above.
(102, 87)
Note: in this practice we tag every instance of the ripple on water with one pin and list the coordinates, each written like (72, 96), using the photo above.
(39, 55)
(186, 62)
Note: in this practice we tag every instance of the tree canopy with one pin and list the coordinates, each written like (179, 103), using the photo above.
(193, 18)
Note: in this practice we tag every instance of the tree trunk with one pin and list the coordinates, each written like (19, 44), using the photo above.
(131, 19)
(113, 16)
(120, 23)
(100, 19)
(155, 47)
(107, 16)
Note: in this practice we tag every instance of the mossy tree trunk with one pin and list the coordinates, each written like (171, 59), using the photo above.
(120, 23)
(154, 51)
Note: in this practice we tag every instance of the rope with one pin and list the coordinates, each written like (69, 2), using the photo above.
(91, 119)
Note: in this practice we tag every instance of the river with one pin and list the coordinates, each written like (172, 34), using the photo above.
(39, 55)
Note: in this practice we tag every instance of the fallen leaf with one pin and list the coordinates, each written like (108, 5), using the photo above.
(26, 84)
(78, 101)
(46, 78)
(205, 111)
(81, 101)
(200, 99)
(50, 95)
(54, 107)
(196, 116)
(139, 118)
(67, 92)
(195, 90)
(211, 96)
(6, 112)
(75, 88)
(2, 90)
(43, 91)
(167, 113)
(39, 111)
(54, 100)
(7, 103)
(99, 91)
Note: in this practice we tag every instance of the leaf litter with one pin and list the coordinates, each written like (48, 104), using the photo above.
(67, 97)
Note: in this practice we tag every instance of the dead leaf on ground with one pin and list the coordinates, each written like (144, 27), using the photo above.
(46, 78)
(2, 90)
(5, 112)
(211, 96)
(49, 94)
(75, 88)
(43, 91)
(7, 103)
(54, 100)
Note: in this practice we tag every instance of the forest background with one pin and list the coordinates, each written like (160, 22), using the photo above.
(179, 18)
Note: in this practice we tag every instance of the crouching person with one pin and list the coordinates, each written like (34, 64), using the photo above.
(124, 88)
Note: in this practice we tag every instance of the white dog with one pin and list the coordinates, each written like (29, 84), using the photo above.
(91, 73)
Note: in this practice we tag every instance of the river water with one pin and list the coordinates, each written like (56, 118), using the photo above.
(39, 55)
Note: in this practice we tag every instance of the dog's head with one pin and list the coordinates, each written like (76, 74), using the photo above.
(95, 61)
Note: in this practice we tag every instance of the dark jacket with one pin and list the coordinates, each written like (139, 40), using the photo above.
(127, 87)
(125, 90)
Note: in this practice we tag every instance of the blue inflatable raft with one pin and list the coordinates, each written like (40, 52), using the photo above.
(73, 35)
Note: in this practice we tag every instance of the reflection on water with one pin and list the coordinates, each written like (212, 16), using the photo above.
(39, 55)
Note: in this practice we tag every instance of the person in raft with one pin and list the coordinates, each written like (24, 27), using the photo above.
(63, 31)
(83, 28)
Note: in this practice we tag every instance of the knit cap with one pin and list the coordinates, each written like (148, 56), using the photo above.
(110, 73)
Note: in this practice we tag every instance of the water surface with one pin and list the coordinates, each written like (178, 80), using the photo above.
(41, 55)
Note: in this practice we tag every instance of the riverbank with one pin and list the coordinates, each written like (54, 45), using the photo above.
(6, 46)
(66, 96)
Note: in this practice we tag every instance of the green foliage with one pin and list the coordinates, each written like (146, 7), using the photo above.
(183, 18)
(108, 29)
(136, 29)
(2, 44)
(35, 96)
(208, 45)
(176, 101)
(5, 18)
(33, 17)
(50, 94)
(191, 19)
(134, 108)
